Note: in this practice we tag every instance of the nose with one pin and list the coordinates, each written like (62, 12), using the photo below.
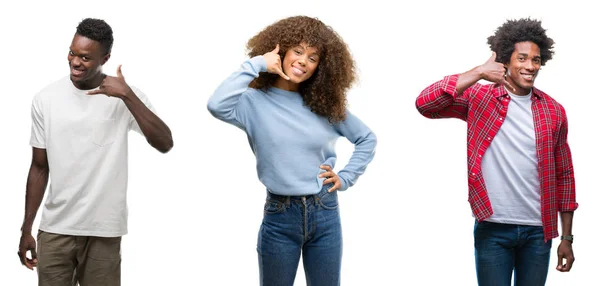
(302, 61)
(75, 61)
(529, 65)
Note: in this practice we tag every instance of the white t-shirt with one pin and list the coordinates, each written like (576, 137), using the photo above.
(510, 167)
(85, 137)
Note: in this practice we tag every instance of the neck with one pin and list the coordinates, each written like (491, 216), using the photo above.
(281, 83)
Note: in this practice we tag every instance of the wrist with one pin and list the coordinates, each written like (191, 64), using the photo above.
(479, 72)
(567, 238)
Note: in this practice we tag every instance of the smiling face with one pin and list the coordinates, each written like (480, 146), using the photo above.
(299, 64)
(525, 63)
(86, 58)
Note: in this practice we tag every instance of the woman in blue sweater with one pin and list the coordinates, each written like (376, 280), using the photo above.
(290, 98)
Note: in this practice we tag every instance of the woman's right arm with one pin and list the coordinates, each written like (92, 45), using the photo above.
(225, 103)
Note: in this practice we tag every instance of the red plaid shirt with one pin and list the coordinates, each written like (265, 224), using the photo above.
(484, 107)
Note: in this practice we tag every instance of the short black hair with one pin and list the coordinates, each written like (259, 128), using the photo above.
(97, 30)
(516, 31)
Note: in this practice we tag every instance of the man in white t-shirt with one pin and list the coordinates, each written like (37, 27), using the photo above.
(79, 138)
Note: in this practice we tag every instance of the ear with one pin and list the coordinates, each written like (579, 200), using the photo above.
(105, 58)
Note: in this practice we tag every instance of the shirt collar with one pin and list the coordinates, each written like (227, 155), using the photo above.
(499, 92)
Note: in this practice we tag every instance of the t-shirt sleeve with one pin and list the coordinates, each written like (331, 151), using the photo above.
(38, 135)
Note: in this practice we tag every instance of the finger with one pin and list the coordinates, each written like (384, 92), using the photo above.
(21, 257)
(335, 187)
(119, 73)
(559, 267)
(327, 174)
(567, 267)
(96, 91)
(24, 260)
(329, 181)
(29, 265)
(325, 167)
(283, 75)
(276, 50)
(507, 84)
(492, 58)
(33, 255)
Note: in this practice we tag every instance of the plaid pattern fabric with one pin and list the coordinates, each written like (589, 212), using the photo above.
(484, 107)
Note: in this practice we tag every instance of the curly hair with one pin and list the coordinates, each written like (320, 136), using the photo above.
(97, 30)
(522, 30)
(325, 91)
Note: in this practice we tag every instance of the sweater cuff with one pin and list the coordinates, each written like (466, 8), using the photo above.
(259, 63)
(344, 182)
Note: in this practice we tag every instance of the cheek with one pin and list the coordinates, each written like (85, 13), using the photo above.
(313, 68)
(289, 58)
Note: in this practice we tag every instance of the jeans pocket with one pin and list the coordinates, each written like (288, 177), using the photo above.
(274, 207)
(104, 132)
(328, 201)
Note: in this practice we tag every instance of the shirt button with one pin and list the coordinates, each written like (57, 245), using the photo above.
(473, 174)
(479, 155)
(489, 138)
(500, 118)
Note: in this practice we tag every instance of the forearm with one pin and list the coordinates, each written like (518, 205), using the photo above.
(364, 152)
(365, 143)
(467, 79)
(37, 180)
(157, 133)
(566, 219)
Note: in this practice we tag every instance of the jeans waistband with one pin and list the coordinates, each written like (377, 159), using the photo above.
(287, 199)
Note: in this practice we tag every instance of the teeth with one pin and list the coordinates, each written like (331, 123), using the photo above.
(297, 70)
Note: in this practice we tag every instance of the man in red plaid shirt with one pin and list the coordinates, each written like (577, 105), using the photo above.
(519, 162)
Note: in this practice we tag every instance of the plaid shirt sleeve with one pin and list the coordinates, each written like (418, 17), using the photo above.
(440, 100)
(565, 179)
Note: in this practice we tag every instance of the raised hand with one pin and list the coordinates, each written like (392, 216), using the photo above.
(495, 72)
(274, 63)
(113, 86)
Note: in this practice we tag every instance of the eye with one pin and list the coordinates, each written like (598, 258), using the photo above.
(312, 60)
(71, 53)
(521, 59)
(537, 60)
(298, 52)
(85, 59)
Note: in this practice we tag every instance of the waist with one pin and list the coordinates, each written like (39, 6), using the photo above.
(287, 199)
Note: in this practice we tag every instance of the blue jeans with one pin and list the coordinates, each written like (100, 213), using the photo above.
(501, 249)
(307, 225)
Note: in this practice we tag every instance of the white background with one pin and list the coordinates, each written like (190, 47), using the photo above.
(195, 212)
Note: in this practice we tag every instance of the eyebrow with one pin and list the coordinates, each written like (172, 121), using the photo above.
(80, 54)
(526, 55)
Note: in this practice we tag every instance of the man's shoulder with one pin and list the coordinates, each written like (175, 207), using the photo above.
(59, 85)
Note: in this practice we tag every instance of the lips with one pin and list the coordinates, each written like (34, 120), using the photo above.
(297, 71)
(77, 72)
(528, 77)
